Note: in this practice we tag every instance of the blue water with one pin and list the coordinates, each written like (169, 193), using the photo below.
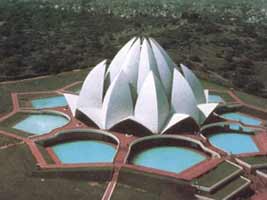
(49, 102)
(41, 123)
(234, 143)
(238, 127)
(89, 151)
(243, 118)
(172, 159)
(215, 99)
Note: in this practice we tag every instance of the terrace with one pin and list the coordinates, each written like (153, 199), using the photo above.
(213, 177)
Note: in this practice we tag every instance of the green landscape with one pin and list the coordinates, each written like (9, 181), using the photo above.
(46, 45)
(223, 41)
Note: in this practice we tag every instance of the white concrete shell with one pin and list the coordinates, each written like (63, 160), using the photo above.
(118, 60)
(72, 102)
(141, 84)
(152, 107)
(194, 83)
(147, 63)
(183, 99)
(164, 66)
(174, 120)
(91, 94)
(118, 103)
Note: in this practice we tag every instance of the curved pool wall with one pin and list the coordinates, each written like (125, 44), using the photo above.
(245, 119)
(226, 126)
(233, 142)
(83, 146)
(39, 123)
(49, 102)
(151, 151)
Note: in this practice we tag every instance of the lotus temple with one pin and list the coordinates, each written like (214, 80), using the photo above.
(144, 121)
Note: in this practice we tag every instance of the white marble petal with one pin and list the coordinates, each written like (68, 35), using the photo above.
(152, 107)
(195, 84)
(91, 94)
(72, 102)
(118, 103)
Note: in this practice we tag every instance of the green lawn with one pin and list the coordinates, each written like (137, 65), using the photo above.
(52, 82)
(227, 189)
(75, 88)
(223, 170)
(255, 160)
(17, 182)
(123, 192)
(7, 140)
(253, 100)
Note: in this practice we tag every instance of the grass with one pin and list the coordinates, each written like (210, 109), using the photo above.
(75, 88)
(228, 189)
(7, 140)
(211, 85)
(255, 160)
(151, 185)
(253, 100)
(130, 193)
(247, 98)
(223, 170)
(18, 183)
(52, 82)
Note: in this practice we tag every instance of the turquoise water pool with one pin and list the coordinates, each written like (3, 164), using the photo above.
(242, 118)
(213, 98)
(41, 123)
(171, 159)
(237, 127)
(49, 102)
(234, 143)
(86, 151)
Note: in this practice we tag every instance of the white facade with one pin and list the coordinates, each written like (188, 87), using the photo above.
(143, 84)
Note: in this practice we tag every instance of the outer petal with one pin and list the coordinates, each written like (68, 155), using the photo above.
(207, 108)
(94, 114)
(195, 84)
(130, 66)
(92, 91)
(118, 60)
(118, 103)
(152, 107)
(174, 120)
(165, 66)
(183, 99)
(72, 102)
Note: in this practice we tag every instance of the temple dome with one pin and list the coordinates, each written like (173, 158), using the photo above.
(144, 85)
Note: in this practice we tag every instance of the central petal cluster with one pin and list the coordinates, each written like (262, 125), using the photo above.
(144, 85)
